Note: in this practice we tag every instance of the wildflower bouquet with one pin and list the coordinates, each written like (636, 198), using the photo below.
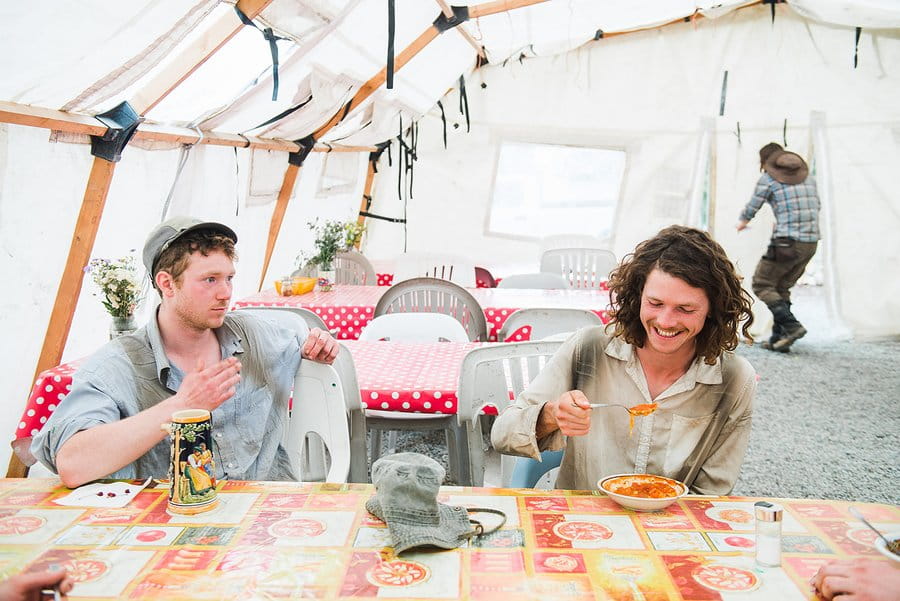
(332, 237)
(120, 287)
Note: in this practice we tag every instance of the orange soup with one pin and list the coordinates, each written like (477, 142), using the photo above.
(643, 486)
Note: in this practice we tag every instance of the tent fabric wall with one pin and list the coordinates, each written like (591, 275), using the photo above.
(592, 96)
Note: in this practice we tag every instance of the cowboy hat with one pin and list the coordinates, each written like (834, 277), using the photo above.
(786, 167)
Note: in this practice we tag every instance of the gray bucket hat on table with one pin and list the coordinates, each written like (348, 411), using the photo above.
(170, 230)
(406, 489)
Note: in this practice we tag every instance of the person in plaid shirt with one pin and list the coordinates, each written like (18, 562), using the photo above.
(787, 187)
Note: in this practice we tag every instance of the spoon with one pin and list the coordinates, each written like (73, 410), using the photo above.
(639, 410)
(855, 513)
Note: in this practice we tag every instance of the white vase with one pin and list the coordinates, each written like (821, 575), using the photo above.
(325, 281)
(120, 326)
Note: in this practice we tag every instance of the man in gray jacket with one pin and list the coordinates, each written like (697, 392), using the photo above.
(193, 354)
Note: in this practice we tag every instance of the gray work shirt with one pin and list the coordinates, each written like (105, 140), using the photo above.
(661, 443)
(132, 373)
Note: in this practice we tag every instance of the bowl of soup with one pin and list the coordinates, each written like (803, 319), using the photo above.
(642, 492)
(892, 548)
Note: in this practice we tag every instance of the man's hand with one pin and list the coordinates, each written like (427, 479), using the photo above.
(209, 387)
(741, 225)
(570, 414)
(320, 347)
(858, 580)
(27, 586)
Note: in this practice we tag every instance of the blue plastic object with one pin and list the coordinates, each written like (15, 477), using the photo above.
(528, 471)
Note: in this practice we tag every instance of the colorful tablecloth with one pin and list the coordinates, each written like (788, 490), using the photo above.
(392, 375)
(347, 309)
(270, 540)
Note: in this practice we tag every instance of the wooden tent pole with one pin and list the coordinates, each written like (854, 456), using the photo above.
(73, 276)
(367, 195)
(448, 12)
(284, 195)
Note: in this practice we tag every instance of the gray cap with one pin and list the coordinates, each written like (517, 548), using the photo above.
(164, 234)
(406, 489)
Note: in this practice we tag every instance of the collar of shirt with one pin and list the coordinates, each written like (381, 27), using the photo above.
(230, 344)
(698, 373)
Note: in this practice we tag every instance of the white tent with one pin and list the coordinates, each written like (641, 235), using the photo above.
(686, 92)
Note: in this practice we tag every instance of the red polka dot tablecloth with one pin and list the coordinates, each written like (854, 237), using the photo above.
(347, 309)
(397, 376)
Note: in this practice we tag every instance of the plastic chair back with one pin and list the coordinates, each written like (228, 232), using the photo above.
(583, 267)
(269, 313)
(353, 268)
(430, 295)
(484, 278)
(415, 327)
(320, 409)
(541, 281)
(493, 375)
(547, 322)
(445, 267)
(530, 473)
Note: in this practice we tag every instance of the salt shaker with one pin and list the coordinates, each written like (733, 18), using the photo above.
(768, 533)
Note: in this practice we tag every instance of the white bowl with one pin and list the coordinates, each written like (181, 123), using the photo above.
(882, 548)
(609, 485)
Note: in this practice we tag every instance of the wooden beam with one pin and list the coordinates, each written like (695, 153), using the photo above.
(448, 12)
(284, 195)
(73, 275)
(194, 55)
(20, 114)
(367, 194)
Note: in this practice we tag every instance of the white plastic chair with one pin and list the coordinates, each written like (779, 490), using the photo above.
(415, 327)
(445, 267)
(319, 408)
(583, 267)
(431, 295)
(487, 377)
(541, 281)
(353, 268)
(548, 322)
(318, 390)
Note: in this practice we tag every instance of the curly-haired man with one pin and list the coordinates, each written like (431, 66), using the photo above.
(677, 306)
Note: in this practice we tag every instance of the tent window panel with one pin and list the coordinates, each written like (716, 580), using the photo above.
(546, 189)
(340, 174)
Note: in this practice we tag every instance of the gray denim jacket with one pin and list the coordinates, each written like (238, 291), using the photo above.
(132, 373)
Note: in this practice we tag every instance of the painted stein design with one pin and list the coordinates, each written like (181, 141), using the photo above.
(193, 468)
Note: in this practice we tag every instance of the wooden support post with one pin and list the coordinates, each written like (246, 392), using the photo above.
(284, 195)
(367, 194)
(72, 278)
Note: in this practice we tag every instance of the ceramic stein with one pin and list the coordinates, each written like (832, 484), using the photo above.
(192, 472)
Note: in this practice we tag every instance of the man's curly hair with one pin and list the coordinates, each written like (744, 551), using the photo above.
(693, 256)
(176, 257)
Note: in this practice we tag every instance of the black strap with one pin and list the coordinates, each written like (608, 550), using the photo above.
(443, 122)
(390, 46)
(856, 47)
(382, 217)
(283, 113)
(270, 37)
(464, 100)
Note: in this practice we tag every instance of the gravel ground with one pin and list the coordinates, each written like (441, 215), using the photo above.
(826, 420)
